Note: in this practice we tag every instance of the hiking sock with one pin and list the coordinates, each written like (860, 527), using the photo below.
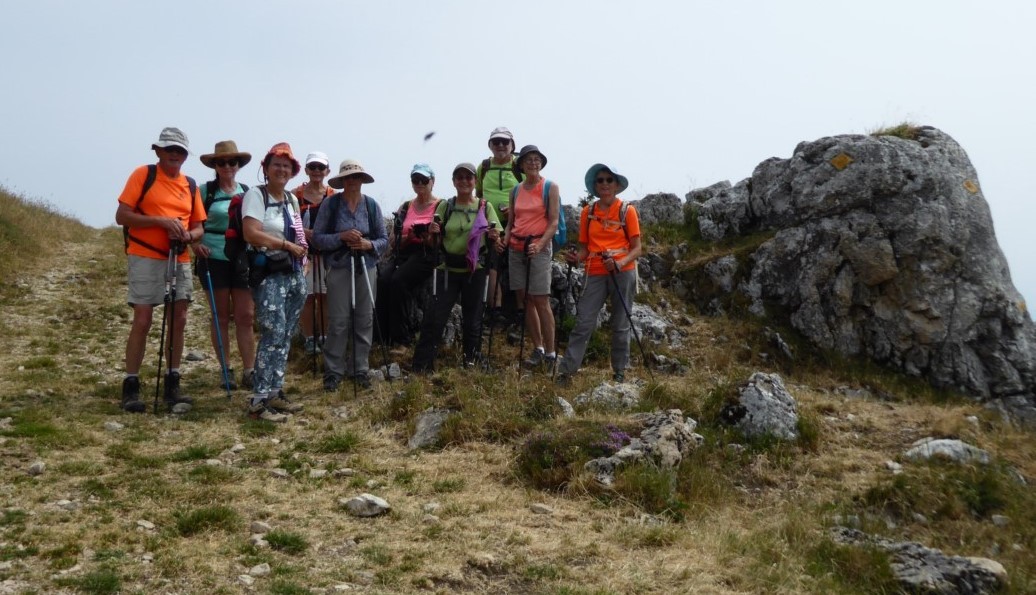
(551, 355)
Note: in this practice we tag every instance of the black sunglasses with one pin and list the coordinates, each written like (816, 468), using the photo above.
(605, 180)
(420, 181)
(225, 162)
(503, 142)
(316, 166)
(176, 150)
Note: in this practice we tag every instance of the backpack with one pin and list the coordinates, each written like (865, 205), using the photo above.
(149, 181)
(623, 207)
(486, 165)
(397, 223)
(334, 216)
(561, 235)
(234, 238)
(210, 199)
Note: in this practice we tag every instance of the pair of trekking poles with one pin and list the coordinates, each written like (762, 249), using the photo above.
(353, 257)
(176, 248)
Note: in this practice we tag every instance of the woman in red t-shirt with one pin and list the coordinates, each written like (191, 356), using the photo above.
(609, 244)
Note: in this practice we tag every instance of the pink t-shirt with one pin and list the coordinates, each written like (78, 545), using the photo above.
(529, 216)
(422, 217)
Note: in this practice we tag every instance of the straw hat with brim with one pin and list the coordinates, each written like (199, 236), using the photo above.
(591, 177)
(349, 167)
(226, 149)
(526, 150)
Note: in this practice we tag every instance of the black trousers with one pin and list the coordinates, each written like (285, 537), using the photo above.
(469, 287)
(398, 290)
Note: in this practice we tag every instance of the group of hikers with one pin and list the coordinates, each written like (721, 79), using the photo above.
(307, 259)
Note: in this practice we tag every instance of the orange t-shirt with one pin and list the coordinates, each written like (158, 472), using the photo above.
(604, 234)
(167, 197)
(529, 216)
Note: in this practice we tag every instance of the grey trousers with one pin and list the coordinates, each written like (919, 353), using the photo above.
(599, 287)
(339, 321)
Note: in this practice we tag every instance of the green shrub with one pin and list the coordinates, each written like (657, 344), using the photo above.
(550, 459)
(208, 518)
(287, 542)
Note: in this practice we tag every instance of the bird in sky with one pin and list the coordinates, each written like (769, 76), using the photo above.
(429, 136)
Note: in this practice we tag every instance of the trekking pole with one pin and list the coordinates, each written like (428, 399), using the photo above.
(629, 319)
(352, 313)
(215, 324)
(170, 274)
(374, 316)
(485, 292)
(494, 265)
(315, 263)
(525, 302)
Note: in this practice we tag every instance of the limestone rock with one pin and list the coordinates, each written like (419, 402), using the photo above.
(429, 424)
(954, 450)
(661, 208)
(764, 407)
(365, 505)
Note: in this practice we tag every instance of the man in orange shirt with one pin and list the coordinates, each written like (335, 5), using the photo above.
(160, 217)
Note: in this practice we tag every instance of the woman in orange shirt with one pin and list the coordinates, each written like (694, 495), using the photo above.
(609, 244)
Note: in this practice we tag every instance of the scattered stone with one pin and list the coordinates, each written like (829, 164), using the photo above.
(194, 356)
(431, 507)
(919, 518)
(260, 527)
(258, 540)
(37, 468)
(145, 525)
(394, 371)
(372, 483)
(540, 508)
(238, 447)
(920, 569)
(764, 407)
(430, 519)
(67, 505)
(953, 450)
(113, 426)
(566, 408)
(280, 473)
(317, 473)
(623, 395)
(365, 505)
(429, 425)
(972, 419)
(246, 580)
(894, 467)
(341, 412)
(147, 558)
(364, 577)
(343, 472)
(181, 408)
(5, 423)
(667, 438)
(213, 463)
(1000, 520)
(260, 570)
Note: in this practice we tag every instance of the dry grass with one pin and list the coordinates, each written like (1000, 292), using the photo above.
(747, 523)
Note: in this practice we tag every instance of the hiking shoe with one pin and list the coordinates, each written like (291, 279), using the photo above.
(619, 376)
(172, 395)
(131, 402)
(248, 380)
(229, 384)
(535, 360)
(282, 404)
(330, 384)
(362, 380)
(550, 362)
(260, 410)
(311, 346)
(563, 380)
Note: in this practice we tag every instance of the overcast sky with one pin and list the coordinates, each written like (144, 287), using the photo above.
(676, 95)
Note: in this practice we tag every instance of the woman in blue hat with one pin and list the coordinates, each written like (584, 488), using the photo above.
(609, 244)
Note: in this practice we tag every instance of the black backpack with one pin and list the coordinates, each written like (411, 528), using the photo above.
(149, 181)
(234, 236)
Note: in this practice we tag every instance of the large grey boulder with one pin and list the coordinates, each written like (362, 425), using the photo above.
(666, 439)
(948, 449)
(659, 208)
(884, 247)
(764, 407)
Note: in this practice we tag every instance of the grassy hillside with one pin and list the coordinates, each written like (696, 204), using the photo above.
(32, 232)
(161, 503)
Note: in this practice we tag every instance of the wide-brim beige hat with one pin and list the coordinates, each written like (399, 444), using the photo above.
(349, 167)
(225, 149)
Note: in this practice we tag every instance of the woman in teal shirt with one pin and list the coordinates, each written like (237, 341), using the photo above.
(229, 280)
(462, 227)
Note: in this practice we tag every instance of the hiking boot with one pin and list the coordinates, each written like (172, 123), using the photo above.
(550, 362)
(131, 402)
(172, 394)
(331, 383)
(362, 380)
(535, 360)
(260, 410)
(619, 376)
(229, 384)
(563, 380)
(248, 380)
(311, 346)
(282, 404)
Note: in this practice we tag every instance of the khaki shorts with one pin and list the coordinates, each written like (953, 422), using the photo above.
(314, 269)
(147, 280)
(539, 276)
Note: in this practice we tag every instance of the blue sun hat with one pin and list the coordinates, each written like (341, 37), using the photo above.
(591, 176)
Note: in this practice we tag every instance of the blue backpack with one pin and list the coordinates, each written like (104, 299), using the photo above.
(561, 235)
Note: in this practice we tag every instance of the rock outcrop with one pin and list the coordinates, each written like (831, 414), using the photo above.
(881, 247)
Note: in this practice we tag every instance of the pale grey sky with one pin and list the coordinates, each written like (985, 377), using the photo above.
(675, 95)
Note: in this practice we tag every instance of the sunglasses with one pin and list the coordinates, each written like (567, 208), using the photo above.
(419, 181)
(500, 142)
(175, 150)
(316, 166)
(226, 162)
(605, 180)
